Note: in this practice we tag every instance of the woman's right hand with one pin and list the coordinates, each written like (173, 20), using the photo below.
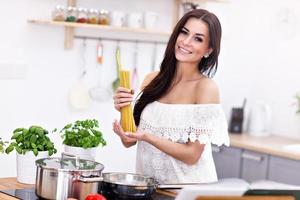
(122, 97)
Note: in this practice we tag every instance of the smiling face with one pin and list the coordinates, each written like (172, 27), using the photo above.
(192, 42)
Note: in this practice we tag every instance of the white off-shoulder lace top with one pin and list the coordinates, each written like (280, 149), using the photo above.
(180, 123)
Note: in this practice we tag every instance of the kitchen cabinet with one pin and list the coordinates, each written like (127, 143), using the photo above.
(254, 166)
(233, 162)
(227, 161)
(284, 170)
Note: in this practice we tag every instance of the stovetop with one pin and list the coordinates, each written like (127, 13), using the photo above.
(29, 194)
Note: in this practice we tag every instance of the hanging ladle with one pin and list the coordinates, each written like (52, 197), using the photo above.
(100, 93)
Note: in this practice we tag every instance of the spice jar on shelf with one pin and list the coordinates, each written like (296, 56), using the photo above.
(71, 14)
(59, 13)
(82, 16)
(104, 17)
(93, 16)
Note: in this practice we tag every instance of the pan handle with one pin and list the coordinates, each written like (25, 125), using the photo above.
(90, 180)
(176, 185)
(77, 158)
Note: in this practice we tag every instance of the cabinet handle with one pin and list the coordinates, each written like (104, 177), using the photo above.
(252, 157)
(216, 149)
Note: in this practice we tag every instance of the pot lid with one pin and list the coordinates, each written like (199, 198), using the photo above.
(69, 164)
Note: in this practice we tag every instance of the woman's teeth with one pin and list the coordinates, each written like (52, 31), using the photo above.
(184, 50)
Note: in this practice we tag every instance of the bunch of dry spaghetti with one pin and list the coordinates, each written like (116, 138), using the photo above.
(127, 120)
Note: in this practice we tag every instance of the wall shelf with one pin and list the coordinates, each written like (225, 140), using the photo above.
(70, 26)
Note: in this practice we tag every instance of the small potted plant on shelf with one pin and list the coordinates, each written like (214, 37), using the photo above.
(30, 144)
(82, 138)
(2, 146)
(298, 103)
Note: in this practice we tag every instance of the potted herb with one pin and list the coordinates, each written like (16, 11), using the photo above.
(82, 138)
(30, 144)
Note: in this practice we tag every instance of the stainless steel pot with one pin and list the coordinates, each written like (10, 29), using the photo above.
(59, 178)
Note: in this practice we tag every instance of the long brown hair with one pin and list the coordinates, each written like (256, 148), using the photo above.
(207, 66)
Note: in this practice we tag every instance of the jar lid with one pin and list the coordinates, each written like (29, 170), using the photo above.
(82, 10)
(104, 12)
(69, 164)
(71, 8)
(60, 7)
(94, 11)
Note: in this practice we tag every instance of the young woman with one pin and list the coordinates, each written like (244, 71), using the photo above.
(178, 113)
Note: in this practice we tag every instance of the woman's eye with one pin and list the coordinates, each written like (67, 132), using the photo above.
(199, 39)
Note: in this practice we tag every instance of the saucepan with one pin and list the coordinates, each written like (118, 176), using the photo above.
(58, 178)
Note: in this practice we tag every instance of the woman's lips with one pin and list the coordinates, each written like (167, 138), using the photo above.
(183, 50)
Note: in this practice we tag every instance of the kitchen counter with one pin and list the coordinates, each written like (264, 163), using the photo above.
(273, 145)
(11, 183)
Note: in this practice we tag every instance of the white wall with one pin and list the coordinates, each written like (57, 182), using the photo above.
(258, 61)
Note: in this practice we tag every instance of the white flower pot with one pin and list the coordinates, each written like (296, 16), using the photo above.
(87, 154)
(26, 168)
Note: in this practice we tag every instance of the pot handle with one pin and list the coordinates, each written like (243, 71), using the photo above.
(77, 158)
(90, 180)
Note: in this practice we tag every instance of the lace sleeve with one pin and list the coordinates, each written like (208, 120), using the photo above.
(182, 123)
(209, 124)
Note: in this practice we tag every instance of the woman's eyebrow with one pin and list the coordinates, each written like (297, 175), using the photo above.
(198, 34)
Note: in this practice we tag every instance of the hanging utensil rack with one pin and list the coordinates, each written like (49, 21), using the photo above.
(117, 39)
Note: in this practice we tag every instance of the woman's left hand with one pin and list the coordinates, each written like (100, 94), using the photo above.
(139, 136)
(127, 136)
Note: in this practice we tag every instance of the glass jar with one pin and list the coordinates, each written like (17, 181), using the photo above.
(104, 17)
(82, 16)
(71, 14)
(59, 13)
(93, 16)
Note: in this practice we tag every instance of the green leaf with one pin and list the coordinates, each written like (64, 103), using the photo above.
(50, 145)
(9, 149)
(18, 130)
(33, 146)
(16, 135)
(35, 152)
(19, 150)
(32, 129)
(27, 144)
(40, 147)
(20, 139)
(40, 131)
(33, 139)
(50, 152)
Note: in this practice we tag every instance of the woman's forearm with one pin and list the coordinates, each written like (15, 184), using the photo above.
(188, 153)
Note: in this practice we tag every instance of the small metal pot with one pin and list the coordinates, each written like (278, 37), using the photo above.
(59, 178)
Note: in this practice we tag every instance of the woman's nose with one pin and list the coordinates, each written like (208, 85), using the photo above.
(187, 40)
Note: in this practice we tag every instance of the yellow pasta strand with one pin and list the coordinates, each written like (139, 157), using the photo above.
(127, 119)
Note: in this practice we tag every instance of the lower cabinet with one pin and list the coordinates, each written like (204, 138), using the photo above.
(234, 162)
(254, 166)
(227, 161)
(284, 170)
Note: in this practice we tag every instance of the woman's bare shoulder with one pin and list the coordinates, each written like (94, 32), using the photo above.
(207, 91)
(148, 78)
